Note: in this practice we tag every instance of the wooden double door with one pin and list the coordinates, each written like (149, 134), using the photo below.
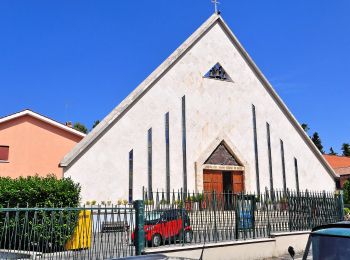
(223, 181)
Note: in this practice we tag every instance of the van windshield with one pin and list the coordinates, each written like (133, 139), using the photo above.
(328, 247)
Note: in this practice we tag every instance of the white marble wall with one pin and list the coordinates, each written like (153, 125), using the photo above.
(215, 110)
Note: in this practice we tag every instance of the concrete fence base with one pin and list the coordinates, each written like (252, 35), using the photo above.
(275, 246)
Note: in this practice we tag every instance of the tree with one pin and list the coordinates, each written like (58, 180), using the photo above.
(95, 124)
(331, 151)
(305, 127)
(80, 127)
(346, 149)
(317, 141)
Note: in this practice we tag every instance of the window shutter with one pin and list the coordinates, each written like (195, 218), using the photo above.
(4, 153)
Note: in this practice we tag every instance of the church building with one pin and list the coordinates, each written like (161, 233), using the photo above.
(206, 119)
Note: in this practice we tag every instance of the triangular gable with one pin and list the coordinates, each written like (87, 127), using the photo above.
(149, 82)
(222, 156)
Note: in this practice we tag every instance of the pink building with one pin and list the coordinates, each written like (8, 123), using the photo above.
(34, 144)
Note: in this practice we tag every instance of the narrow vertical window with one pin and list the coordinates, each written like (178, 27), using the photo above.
(131, 175)
(270, 155)
(167, 156)
(256, 151)
(184, 156)
(4, 153)
(283, 167)
(296, 173)
(149, 140)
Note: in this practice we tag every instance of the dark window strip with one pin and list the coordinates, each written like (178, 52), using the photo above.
(283, 167)
(256, 151)
(167, 155)
(270, 155)
(131, 175)
(296, 173)
(184, 156)
(150, 162)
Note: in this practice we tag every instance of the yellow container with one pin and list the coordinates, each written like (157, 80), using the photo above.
(81, 238)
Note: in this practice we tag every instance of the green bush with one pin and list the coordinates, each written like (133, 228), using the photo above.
(346, 211)
(40, 229)
(346, 190)
(38, 192)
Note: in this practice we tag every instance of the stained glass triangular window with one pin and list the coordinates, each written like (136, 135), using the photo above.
(217, 72)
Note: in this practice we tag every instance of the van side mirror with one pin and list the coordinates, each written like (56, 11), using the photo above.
(291, 252)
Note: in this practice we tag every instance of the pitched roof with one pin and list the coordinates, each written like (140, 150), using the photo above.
(50, 121)
(340, 164)
(342, 171)
(134, 96)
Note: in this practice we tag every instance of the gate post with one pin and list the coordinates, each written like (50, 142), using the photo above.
(237, 210)
(267, 202)
(341, 205)
(215, 225)
(139, 207)
(290, 212)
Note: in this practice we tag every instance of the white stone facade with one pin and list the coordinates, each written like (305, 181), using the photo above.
(215, 111)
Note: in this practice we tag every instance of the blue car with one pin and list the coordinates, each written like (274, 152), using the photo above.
(328, 242)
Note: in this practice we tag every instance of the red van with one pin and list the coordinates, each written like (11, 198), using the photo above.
(166, 225)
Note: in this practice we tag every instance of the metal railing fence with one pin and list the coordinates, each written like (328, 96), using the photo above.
(96, 232)
(214, 217)
(177, 218)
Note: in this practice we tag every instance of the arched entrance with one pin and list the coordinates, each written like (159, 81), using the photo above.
(222, 172)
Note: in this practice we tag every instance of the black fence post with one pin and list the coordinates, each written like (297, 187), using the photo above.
(183, 208)
(253, 209)
(289, 210)
(236, 205)
(139, 207)
(308, 209)
(268, 201)
(215, 224)
(341, 205)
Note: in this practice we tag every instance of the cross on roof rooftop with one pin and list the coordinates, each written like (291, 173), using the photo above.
(215, 2)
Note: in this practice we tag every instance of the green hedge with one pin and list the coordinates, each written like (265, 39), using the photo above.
(38, 192)
(41, 229)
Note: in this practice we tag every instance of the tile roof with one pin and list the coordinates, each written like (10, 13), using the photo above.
(343, 171)
(38, 116)
(340, 164)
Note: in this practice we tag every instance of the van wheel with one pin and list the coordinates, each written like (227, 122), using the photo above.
(156, 240)
(188, 236)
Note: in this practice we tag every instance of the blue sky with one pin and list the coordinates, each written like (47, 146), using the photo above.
(76, 60)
